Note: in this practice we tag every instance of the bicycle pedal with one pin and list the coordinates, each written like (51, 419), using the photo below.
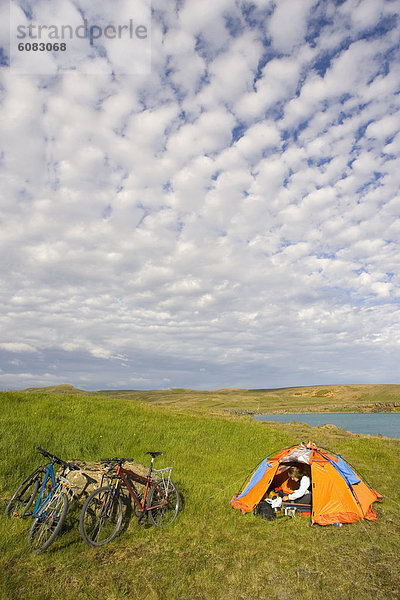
(142, 519)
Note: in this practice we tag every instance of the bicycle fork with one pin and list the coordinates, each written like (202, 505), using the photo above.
(108, 504)
(143, 513)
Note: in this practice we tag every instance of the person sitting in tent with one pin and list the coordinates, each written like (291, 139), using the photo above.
(302, 495)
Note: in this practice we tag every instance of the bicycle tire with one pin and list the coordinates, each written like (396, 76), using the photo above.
(47, 525)
(23, 497)
(101, 517)
(163, 515)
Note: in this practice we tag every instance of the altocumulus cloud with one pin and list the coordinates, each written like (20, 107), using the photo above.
(230, 219)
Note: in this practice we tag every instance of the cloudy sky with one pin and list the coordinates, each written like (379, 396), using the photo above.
(229, 217)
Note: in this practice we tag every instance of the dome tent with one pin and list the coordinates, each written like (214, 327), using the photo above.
(338, 494)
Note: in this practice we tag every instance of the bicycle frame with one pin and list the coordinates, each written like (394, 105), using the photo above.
(146, 481)
(69, 488)
(123, 474)
(49, 474)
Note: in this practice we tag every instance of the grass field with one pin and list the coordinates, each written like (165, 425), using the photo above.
(211, 551)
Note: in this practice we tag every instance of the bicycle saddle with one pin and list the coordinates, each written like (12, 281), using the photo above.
(154, 454)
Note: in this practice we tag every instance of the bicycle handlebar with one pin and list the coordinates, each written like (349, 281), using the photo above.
(122, 460)
(116, 460)
(58, 460)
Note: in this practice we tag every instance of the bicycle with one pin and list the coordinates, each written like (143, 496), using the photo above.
(52, 502)
(24, 496)
(102, 513)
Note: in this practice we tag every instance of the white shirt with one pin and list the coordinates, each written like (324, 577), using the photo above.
(305, 483)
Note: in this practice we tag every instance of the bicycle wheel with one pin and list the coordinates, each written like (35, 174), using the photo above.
(49, 522)
(23, 497)
(101, 517)
(163, 503)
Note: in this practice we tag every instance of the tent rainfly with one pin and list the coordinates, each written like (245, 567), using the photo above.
(338, 494)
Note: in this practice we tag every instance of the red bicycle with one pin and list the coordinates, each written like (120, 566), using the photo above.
(102, 513)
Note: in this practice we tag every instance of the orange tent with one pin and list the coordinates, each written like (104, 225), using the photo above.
(338, 494)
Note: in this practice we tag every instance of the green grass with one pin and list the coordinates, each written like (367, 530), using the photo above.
(211, 551)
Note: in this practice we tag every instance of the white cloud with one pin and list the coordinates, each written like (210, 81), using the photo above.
(230, 219)
(386, 127)
(210, 133)
(364, 14)
(17, 347)
(288, 24)
(278, 82)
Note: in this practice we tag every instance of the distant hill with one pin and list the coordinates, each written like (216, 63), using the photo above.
(319, 398)
(57, 389)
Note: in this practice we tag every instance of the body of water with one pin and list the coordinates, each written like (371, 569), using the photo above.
(387, 424)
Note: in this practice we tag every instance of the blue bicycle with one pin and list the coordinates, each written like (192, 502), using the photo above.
(52, 492)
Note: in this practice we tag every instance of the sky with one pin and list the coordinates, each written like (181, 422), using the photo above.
(226, 217)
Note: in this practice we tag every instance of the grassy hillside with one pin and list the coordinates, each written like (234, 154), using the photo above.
(337, 398)
(211, 551)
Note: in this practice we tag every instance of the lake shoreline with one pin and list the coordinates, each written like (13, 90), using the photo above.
(393, 408)
(334, 429)
(355, 423)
